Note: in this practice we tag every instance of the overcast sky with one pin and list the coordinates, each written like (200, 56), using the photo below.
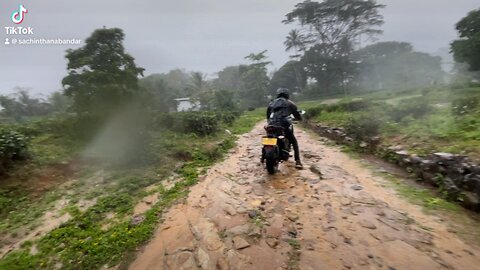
(198, 35)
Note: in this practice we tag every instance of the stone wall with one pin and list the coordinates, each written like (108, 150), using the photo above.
(457, 178)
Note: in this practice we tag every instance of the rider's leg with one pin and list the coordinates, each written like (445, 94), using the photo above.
(291, 138)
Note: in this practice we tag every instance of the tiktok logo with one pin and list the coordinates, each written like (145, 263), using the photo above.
(18, 16)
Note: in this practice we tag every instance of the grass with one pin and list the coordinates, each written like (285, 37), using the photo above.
(424, 197)
(247, 121)
(420, 120)
(17, 211)
(293, 254)
(84, 242)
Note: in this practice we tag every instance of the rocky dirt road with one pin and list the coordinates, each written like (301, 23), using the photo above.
(239, 217)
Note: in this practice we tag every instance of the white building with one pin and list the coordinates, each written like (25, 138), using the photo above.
(185, 104)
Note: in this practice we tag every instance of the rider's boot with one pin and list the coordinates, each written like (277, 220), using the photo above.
(298, 164)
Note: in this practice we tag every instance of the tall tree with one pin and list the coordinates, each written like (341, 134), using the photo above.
(295, 41)
(331, 29)
(102, 77)
(229, 78)
(291, 76)
(255, 80)
(467, 48)
(395, 65)
(21, 105)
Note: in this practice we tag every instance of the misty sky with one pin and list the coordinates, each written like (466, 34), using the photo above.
(199, 35)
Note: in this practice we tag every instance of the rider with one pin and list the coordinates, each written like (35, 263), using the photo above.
(278, 113)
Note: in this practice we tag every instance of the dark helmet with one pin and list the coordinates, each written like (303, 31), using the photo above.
(283, 92)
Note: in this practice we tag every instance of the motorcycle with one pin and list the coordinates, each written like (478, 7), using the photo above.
(276, 147)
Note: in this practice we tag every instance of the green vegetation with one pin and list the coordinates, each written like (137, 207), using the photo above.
(423, 121)
(92, 238)
(293, 254)
(13, 146)
(467, 48)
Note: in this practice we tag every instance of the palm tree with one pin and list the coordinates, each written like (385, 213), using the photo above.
(198, 82)
(296, 41)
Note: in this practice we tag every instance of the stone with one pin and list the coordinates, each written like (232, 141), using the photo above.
(293, 216)
(315, 168)
(292, 232)
(445, 156)
(314, 181)
(271, 242)
(222, 264)
(240, 243)
(345, 201)
(137, 220)
(230, 210)
(347, 262)
(240, 229)
(357, 187)
(255, 232)
(203, 258)
(256, 203)
(182, 260)
(253, 214)
(327, 188)
(367, 224)
(308, 155)
(331, 218)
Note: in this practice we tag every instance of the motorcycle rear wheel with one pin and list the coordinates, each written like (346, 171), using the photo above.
(271, 165)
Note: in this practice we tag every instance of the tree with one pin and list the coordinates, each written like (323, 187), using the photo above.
(229, 78)
(102, 77)
(59, 102)
(201, 90)
(159, 95)
(331, 29)
(255, 80)
(467, 48)
(395, 65)
(224, 100)
(333, 21)
(296, 41)
(21, 105)
(291, 76)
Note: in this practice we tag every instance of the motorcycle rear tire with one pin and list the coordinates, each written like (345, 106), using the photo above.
(271, 165)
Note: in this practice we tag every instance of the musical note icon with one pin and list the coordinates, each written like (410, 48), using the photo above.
(18, 16)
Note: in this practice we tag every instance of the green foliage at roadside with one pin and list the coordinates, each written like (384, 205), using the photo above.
(85, 243)
(13, 147)
(204, 123)
(245, 122)
(467, 48)
(424, 120)
(93, 238)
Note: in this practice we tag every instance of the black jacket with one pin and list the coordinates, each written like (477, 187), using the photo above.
(279, 109)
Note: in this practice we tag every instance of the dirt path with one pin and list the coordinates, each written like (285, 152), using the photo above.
(239, 217)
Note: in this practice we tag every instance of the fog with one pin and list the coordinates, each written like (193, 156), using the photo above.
(195, 35)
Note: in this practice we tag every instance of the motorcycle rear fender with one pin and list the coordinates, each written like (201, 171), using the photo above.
(270, 151)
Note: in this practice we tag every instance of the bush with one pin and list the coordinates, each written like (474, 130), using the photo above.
(414, 107)
(199, 123)
(227, 117)
(313, 112)
(465, 105)
(349, 106)
(363, 127)
(13, 147)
